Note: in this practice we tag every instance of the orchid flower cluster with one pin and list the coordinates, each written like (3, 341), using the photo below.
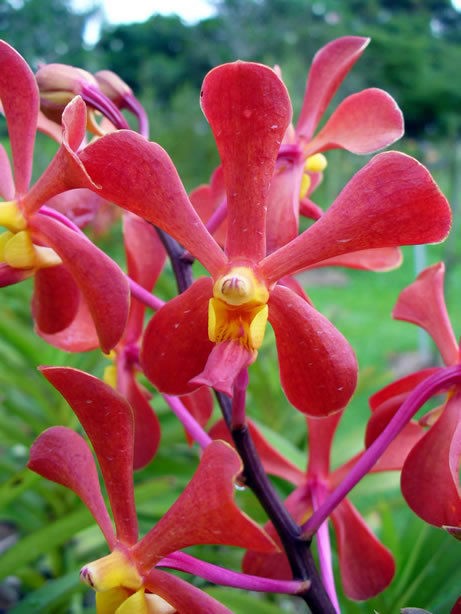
(252, 228)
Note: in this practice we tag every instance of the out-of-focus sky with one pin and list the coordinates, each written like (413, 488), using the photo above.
(122, 11)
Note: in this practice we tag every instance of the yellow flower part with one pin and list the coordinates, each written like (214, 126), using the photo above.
(115, 570)
(110, 372)
(238, 310)
(314, 164)
(16, 247)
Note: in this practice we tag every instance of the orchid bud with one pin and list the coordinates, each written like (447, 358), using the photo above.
(113, 87)
(58, 84)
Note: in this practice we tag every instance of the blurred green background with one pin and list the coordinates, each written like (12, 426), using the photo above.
(415, 54)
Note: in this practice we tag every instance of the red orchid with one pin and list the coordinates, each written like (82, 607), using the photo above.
(430, 480)
(71, 274)
(214, 329)
(145, 257)
(127, 580)
(366, 566)
(362, 123)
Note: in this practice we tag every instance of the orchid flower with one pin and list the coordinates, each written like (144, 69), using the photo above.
(366, 566)
(127, 580)
(71, 274)
(362, 124)
(430, 479)
(212, 331)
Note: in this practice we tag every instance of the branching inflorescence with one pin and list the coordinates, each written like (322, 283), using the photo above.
(244, 230)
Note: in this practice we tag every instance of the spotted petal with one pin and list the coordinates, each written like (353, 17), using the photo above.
(20, 102)
(392, 201)
(366, 566)
(205, 512)
(100, 280)
(61, 455)
(108, 421)
(249, 110)
(329, 67)
(175, 345)
(423, 304)
(362, 123)
(149, 186)
(318, 368)
(430, 478)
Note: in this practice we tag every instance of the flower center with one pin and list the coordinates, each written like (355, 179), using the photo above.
(238, 310)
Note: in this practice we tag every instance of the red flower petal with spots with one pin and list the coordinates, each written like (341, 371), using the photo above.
(175, 345)
(249, 110)
(61, 455)
(102, 411)
(318, 368)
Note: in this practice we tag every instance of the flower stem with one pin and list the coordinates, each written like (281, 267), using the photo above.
(226, 577)
(442, 379)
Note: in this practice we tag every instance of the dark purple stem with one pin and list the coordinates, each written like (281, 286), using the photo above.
(296, 548)
(442, 379)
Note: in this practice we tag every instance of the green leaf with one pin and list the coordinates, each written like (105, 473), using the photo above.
(49, 594)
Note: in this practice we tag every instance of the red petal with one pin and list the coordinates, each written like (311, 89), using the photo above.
(379, 259)
(423, 304)
(320, 437)
(79, 336)
(101, 281)
(430, 479)
(205, 512)
(318, 368)
(140, 177)
(108, 421)
(283, 204)
(7, 188)
(366, 566)
(181, 595)
(175, 345)
(65, 170)
(396, 392)
(362, 123)
(20, 102)
(392, 201)
(61, 455)
(208, 198)
(146, 257)
(56, 299)
(274, 463)
(329, 67)
(146, 423)
(249, 110)
(224, 363)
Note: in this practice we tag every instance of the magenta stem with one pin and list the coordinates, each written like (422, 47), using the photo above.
(217, 217)
(95, 98)
(131, 103)
(226, 577)
(191, 425)
(442, 379)
(318, 495)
